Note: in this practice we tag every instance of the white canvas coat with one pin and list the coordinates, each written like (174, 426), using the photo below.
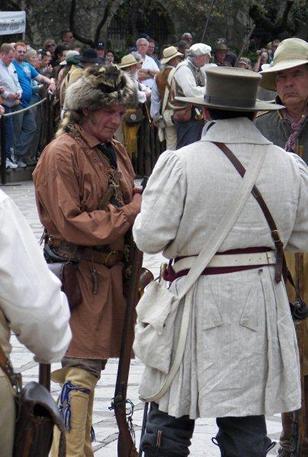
(241, 355)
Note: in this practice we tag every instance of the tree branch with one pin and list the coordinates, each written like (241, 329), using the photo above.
(102, 22)
(281, 24)
(72, 26)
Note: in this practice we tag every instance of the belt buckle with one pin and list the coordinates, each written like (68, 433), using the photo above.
(268, 257)
(111, 258)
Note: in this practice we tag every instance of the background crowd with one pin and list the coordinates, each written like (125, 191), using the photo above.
(28, 75)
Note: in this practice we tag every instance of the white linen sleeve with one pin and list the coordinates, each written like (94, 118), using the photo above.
(30, 295)
(155, 103)
(186, 81)
(299, 237)
(162, 205)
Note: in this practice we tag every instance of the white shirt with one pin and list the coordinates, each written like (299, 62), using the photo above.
(30, 295)
(9, 80)
(186, 80)
(149, 64)
(155, 102)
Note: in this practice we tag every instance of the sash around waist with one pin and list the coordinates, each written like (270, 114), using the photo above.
(225, 262)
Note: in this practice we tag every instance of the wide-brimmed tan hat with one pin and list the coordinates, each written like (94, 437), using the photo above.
(128, 61)
(290, 53)
(170, 53)
(231, 89)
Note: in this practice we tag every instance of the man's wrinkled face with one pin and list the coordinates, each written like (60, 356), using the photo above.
(199, 61)
(100, 53)
(220, 55)
(7, 58)
(103, 123)
(151, 48)
(292, 86)
(20, 53)
(142, 47)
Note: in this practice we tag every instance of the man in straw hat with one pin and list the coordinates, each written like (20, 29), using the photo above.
(189, 81)
(237, 359)
(87, 203)
(160, 112)
(131, 121)
(288, 128)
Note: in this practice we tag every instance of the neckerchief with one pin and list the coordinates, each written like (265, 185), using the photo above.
(296, 126)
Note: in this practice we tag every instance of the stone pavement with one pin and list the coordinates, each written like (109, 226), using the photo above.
(104, 421)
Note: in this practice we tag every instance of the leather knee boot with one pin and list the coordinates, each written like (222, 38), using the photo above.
(305, 402)
(287, 444)
(88, 439)
(75, 400)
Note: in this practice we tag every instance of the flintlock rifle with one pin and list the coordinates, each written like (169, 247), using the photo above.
(135, 280)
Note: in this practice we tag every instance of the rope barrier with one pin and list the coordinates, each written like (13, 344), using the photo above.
(25, 109)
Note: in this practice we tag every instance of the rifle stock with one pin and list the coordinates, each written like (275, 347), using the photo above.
(132, 289)
(44, 375)
(300, 416)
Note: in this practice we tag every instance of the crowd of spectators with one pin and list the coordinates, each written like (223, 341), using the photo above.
(27, 75)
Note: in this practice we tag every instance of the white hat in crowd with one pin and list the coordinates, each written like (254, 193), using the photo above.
(199, 49)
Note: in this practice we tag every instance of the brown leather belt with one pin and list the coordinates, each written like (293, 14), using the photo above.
(102, 255)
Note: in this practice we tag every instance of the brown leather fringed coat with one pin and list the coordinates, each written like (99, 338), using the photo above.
(71, 180)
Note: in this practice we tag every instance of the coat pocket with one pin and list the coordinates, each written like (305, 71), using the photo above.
(249, 317)
(154, 330)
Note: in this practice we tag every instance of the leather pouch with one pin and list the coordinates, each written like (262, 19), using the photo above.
(183, 115)
(67, 273)
(299, 309)
(37, 414)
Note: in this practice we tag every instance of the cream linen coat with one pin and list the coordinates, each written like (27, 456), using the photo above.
(31, 304)
(241, 354)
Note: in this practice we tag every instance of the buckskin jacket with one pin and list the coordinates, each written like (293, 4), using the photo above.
(277, 129)
(241, 355)
(71, 180)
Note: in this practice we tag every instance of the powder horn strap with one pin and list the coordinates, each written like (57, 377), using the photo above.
(280, 261)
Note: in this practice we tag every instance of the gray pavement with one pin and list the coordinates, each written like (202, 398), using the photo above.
(104, 421)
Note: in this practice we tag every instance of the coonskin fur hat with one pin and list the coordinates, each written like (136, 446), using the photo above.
(100, 87)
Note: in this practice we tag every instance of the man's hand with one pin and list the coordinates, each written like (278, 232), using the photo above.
(52, 86)
(12, 96)
(2, 110)
(137, 198)
(146, 74)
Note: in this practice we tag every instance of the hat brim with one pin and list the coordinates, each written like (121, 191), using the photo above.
(268, 80)
(89, 60)
(127, 65)
(167, 59)
(260, 105)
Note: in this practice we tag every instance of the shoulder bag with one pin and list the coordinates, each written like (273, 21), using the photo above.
(36, 415)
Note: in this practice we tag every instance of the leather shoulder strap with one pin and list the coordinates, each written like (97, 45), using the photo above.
(268, 216)
(5, 364)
